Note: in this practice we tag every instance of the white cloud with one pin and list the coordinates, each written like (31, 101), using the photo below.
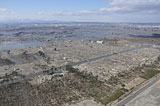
(147, 6)
(3, 9)
(118, 10)
(116, 6)
(6, 11)
(68, 13)
(6, 14)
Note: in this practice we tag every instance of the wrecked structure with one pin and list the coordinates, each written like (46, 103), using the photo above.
(67, 71)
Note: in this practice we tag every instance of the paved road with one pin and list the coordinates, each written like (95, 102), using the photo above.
(77, 63)
(139, 91)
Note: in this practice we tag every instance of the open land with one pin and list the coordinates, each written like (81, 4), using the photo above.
(75, 64)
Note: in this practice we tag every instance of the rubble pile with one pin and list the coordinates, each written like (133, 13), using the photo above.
(69, 88)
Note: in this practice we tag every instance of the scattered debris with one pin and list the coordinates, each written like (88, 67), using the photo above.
(100, 42)
(6, 62)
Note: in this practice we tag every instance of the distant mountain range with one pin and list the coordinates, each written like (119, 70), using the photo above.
(30, 21)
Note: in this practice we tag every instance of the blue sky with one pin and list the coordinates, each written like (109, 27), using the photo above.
(81, 10)
(58, 5)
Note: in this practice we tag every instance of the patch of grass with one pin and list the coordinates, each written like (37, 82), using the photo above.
(117, 94)
(87, 84)
(150, 73)
(84, 75)
(114, 80)
(71, 69)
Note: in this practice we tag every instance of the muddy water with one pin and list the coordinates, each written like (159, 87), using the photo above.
(9, 45)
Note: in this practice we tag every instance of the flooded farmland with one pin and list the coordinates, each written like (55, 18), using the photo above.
(83, 62)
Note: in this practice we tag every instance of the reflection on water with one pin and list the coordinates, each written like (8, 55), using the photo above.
(8, 45)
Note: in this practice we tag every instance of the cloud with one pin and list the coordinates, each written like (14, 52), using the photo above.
(68, 13)
(7, 14)
(3, 9)
(6, 11)
(116, 7)
(118, 10)
(130, 6)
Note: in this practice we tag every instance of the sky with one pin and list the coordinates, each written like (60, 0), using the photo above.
(144, 11)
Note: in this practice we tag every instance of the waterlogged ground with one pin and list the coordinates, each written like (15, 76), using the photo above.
(33, 34)
(9, 45)
(40, 52)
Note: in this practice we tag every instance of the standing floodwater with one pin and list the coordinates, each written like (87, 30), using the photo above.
(8, 45)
